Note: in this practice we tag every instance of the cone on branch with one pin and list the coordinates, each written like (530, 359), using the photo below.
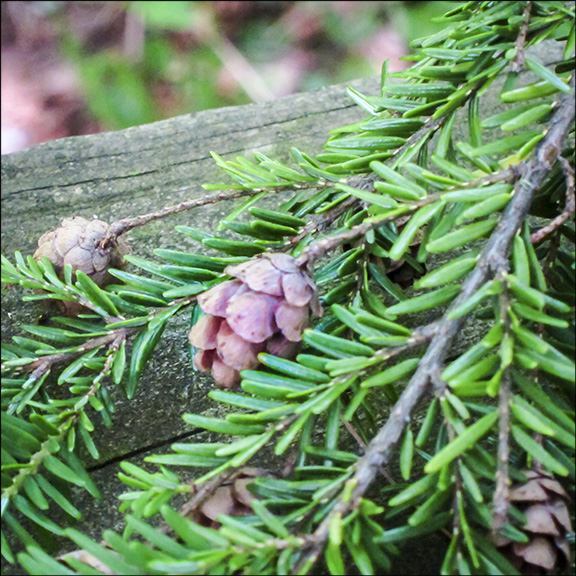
(232, 498)
(80, 243)
(545, 505)
(264, 309)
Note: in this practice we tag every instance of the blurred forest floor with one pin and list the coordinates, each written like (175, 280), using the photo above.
(72, 68)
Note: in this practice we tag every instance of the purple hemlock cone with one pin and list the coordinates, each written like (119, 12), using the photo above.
(265, 309)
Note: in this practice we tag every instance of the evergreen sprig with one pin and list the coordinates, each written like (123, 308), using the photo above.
(411, 230)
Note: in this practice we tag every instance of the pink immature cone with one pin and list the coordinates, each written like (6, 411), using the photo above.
(265, 308)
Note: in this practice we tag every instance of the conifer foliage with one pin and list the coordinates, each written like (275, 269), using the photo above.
(394, 426)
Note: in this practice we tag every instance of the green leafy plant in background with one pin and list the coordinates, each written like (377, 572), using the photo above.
(397, 428)
(175, 58)
(124, 90)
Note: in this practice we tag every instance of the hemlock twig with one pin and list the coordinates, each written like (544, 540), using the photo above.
(122, 226)
(493, 259)
(205, 490)
(44, 363)
(501, 498)
(569, 207)
(320, 247)
(322, 221)
(112, 339)
(520, 58)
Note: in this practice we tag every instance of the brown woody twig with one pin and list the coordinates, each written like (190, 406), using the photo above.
(122, 226)
(569, 207)
(520, 58)
(44, 363)
(501, 499)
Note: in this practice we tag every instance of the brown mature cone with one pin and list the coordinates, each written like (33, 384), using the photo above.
(232, 498)
(265, 309)
(544, 502)
(77, 242)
